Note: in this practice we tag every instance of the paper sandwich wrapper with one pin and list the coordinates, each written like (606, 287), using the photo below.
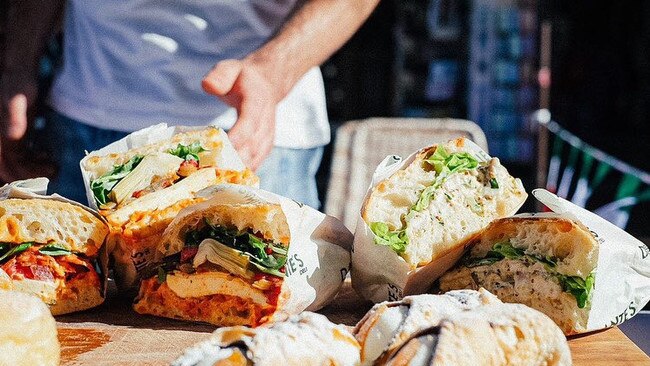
(129, 259)
(319, 248)
(378, 273)
(622, 279)
(35, 189)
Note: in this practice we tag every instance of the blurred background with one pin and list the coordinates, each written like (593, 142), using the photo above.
(496, 63)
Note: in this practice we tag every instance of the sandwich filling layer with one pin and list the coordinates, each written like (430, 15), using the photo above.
(48, 271)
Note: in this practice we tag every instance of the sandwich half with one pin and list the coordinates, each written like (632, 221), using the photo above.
(545, 261)
(446, 195)
(219, 263)
(141, 190)
(51, 248)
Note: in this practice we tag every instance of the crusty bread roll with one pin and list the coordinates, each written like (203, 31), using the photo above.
(463, 327)
(305, 339)
(549, 265)
(496, 334)
(457, 207)
(45, 221)
(388, 325)
(210, 138)
(27, 331)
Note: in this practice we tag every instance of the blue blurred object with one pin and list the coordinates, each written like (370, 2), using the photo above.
(637, 330)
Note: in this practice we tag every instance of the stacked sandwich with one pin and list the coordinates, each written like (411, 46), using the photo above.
(417, 219)
(141, 189)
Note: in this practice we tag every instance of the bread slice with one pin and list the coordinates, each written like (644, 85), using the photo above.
(305, 339)
(46, 221)
(28, 332)
(266, 219)
(461, 204)
(495, 334)
(558, 253)
(211, 139)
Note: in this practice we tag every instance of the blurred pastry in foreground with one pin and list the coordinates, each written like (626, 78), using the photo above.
(305, 339)
(545, 261)
(27, 331)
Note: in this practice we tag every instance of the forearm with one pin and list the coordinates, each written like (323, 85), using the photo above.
(30, 23)
(313, 34)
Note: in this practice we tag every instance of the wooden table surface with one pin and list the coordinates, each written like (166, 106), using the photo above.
(113, 334)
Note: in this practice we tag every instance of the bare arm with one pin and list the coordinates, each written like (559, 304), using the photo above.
(257, 83)
(28, 26)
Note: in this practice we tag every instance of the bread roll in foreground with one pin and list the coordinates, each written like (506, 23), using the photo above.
(459, 328)
(27, 331)
(544, 261)
(305, 339)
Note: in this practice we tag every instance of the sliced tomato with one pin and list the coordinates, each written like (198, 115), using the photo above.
(188, 253)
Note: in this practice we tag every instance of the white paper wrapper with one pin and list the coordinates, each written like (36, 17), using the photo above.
(229, 157)
(379, 274)
(36, 188)
(128, 261)
(319, 248)
(622, 282)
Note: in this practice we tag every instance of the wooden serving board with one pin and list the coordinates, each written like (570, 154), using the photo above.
(113, 334)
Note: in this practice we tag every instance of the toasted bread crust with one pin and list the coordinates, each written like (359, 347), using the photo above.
(50, 221)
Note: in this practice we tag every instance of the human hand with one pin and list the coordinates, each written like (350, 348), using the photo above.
(17, 99)
(245, 87)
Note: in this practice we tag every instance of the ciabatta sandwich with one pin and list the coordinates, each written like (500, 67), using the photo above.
(219, 263)
(141, 189)
(545, 261)
(305, 339)
(424, 213)
(50, 248)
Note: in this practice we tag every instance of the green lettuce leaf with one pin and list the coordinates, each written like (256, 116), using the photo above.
(54, 250)
(103, 185)
(188, 152)
(576, 286)
(396, 240)
(444, 164)
(11, 251)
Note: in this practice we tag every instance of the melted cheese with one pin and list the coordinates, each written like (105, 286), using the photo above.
(210, 283)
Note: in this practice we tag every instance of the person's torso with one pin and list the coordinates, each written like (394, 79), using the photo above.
(129, 64)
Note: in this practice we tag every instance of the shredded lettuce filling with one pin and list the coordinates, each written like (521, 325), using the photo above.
(578, 287)
(188, 152)
(444, 164)
(7, 250)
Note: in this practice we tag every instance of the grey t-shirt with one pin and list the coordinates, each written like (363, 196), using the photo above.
(129, 64)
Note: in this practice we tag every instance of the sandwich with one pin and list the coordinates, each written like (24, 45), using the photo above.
(220, 263)
(54, 250)
(459, 328)
(140, 190)
(546, 261)
(28, 333)
(305, 339)
(425, 212)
